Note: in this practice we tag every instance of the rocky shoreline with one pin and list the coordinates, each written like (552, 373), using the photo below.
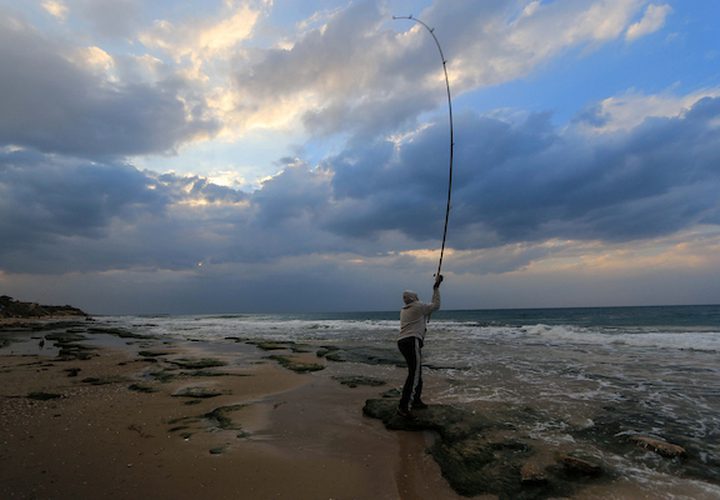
(212, 395)
(486, 454)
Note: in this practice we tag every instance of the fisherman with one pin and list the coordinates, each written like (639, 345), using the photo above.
(413, 325)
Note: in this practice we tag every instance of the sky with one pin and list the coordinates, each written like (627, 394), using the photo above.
(280, 155)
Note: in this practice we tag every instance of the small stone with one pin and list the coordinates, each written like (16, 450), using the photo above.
(580, 466)
(659, 446)
(530, 473)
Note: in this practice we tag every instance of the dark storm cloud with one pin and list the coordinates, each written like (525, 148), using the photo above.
(295, 193)
(45, 198)
(63, 214)
(54, 105)
(528, 181)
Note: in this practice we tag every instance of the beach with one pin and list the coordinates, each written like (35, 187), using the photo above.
(75, 429)
(282, 406)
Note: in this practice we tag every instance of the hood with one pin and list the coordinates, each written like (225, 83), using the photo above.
(409, 297)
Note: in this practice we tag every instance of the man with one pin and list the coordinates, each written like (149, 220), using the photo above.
(413, 325)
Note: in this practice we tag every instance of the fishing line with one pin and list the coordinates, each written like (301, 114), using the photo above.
(452, 141)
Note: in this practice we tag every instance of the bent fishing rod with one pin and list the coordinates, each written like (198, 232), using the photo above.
(452, 141)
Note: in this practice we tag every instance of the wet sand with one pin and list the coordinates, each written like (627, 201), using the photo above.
(85, 433)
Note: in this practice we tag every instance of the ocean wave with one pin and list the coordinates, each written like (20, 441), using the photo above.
(708, 341)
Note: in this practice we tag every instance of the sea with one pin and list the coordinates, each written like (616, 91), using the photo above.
(608, 372)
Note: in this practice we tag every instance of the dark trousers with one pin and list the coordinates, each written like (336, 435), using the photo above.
(411, 349)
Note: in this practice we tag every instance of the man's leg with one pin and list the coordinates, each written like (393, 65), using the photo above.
(408, 348)
(416, 397)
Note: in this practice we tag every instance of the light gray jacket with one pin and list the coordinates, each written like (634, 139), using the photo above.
(413, 316)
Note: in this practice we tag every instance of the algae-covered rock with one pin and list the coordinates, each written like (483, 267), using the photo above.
(356, 380)
(163, 376)
(210, 373)
(141, 388)
(296, 365)
(196, 364)
(235, 339)
(271, 345)
(111, 379)
(450, 422)
(659, 446)
(580, 465)
(471, 451)
(153, 354)
(391, 393)
(221, 419)
(43, 396)
(77, 352)
(365, 354)
(274, 345)
(117, 332)
(532, 473)
(66, 337)
(196, 393)
(324, 350)
(475, 465)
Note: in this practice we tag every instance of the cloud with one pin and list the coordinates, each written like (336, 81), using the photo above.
(560, 273)
(528, 181)
(198, 42)
(346, 71)
(628, 110)
(55, 99)
(652, 20)
(46, 198)
(519, 184)
(353, 75)
(55, 8)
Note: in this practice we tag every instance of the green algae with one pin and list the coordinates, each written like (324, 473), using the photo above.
(358, 380)
(196, 364)
(295, 365)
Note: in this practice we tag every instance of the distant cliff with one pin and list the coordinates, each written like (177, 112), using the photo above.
(11, 308)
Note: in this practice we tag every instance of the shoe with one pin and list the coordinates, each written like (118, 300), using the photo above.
(419, 405)
(404, 413)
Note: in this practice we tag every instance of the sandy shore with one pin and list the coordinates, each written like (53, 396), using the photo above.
(88, 410)
(116, 425)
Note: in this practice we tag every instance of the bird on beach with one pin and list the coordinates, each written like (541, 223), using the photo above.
(42, 343)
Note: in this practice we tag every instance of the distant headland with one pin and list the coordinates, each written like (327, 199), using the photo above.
(11, 308)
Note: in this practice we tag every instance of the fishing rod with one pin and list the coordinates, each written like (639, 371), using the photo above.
(452, 141)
